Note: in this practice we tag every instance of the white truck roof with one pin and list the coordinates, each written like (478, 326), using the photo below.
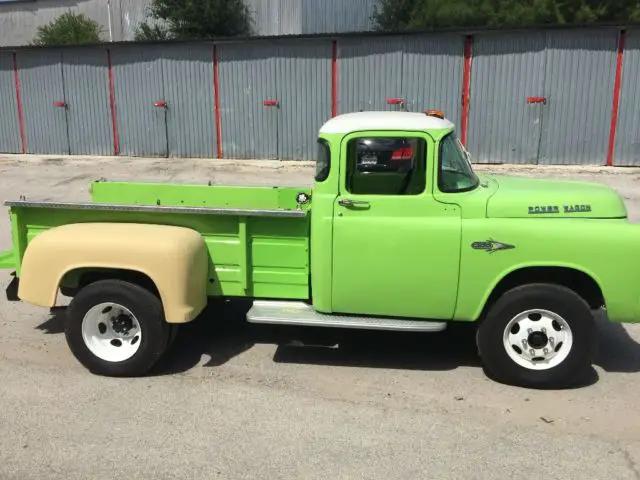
(353, 122)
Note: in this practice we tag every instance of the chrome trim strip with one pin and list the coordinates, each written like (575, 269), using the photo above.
(160, 209)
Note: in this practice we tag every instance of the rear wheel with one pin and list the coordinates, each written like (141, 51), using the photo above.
(116, 328)
(540, 336)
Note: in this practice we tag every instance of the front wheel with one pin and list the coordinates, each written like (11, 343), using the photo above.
(116, 328)
(539, 335)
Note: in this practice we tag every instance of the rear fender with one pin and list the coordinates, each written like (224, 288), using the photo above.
(174, 258)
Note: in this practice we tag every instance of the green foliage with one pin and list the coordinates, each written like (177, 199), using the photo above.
(197, 19)
(149, 33)
(435, 14)
(68, 29)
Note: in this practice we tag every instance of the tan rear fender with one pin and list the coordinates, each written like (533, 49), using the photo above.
(174, 258)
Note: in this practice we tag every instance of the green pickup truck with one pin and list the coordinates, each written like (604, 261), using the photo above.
(397, 233)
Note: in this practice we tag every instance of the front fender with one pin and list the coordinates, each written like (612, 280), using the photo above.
(174, 258)
(608, 251)
(474, 314)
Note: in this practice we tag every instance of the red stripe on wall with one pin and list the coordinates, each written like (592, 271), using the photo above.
(216, 95)
(466, 87)
(112, 104)
(16, 78)
(616, 99)
(334, 79)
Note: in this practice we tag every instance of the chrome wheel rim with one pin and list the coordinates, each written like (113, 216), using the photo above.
(538, 339)
(111, 332)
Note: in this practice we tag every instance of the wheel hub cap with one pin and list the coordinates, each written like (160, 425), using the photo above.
(538, 339)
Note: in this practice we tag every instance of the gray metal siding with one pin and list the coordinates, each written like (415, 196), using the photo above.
(276, 17)
(189, 91)
(369, 73)
(9, 123)
(627, 150)
(247, 77)
(142, 127)
(506, 69)
(432, 71)
(580, 72)
(42, 84)
(304, 91)
(19, 21)
(333, 16)
(86, 78)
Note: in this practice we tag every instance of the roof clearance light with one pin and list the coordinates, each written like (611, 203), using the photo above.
(435, 113)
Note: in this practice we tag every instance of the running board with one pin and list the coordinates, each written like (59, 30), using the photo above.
(302, 314)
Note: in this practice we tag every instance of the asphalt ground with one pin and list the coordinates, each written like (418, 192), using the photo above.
(237, 401)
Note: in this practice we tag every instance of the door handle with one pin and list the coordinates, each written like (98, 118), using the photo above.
(347, 202)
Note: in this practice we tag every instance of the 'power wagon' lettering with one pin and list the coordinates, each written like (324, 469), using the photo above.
(543, 209)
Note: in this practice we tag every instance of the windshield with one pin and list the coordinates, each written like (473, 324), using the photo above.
(456, 174)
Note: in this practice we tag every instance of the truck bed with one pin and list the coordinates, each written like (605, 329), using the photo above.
(257, 237)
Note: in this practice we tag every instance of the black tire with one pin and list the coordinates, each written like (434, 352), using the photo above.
(555, 298)
(145, 306)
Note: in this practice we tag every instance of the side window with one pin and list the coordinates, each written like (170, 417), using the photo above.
(386, 166)
(323, 162)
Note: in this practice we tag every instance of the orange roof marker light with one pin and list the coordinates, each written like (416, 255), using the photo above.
(435, 113)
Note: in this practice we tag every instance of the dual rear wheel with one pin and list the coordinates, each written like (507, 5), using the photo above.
(116, 328)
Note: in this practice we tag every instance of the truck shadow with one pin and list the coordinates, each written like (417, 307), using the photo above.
(221, 333)
(617, 350)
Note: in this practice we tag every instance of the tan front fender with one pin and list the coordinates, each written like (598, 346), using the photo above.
(174, 258)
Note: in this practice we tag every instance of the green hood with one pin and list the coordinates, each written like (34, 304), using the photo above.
(535, 198)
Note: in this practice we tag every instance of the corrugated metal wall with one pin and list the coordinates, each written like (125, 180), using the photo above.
(333, 16)
(432, 73)
(627, 147)
(304, 91)
(164, 95)
(188, 90)
(87, 96)
(247, 79)
(276, 17)
(142, 126)
(579, 77)
(42, 87)
(9, 124)
(506, 70)
(370, 72)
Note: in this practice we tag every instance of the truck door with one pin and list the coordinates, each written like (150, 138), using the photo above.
(395, 248)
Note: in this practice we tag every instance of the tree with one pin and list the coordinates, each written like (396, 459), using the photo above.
(151, 33)
(69, 29)
(437, 14)
(196, 19)
(394, 15)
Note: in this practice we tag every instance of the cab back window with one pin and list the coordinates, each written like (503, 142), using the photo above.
(386, 166)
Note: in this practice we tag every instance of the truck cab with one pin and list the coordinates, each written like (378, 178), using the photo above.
(376, 206)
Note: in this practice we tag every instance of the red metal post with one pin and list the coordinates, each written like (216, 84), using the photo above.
(16, 78)
(466, 87)
(216, 96)
(112, 105)
(616, 99)
(334, 79)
